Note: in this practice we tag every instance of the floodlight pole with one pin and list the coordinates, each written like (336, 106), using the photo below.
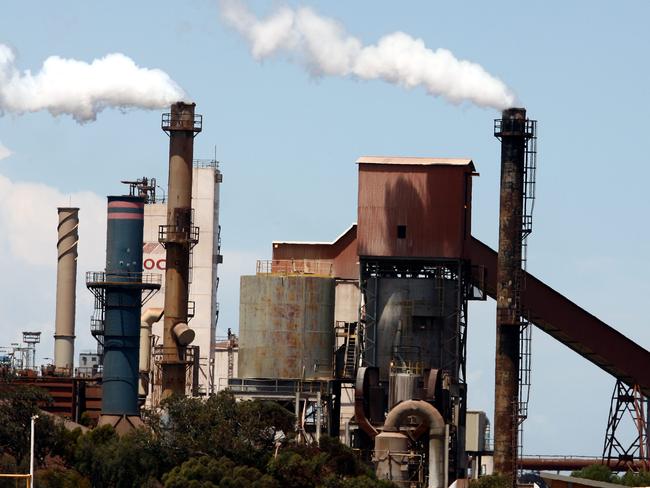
(31, 452)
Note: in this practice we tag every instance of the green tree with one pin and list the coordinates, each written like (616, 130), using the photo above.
(207, 472)
(220, 426)
(17, 406)
(61, 478)
(596, 472)
(491, 481)
(641, 478)
(109, 460)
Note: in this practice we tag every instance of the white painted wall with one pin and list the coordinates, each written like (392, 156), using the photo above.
(203, 274)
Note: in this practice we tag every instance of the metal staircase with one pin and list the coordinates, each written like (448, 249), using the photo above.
(526, 329)
(351, 355)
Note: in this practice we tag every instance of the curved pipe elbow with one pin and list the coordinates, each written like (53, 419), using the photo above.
(150, 316)
(425, 411)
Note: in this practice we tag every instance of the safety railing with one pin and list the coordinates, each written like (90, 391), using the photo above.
(103, 277)
(254, 386)
(313, 267)
(175, 234)
(205, 163)
(173, 121)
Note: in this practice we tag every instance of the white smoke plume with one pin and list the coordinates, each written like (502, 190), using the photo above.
(325, 48)
(81, 89)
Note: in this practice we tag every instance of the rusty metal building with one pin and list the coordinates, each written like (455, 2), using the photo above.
(414, 207)
(414, 216)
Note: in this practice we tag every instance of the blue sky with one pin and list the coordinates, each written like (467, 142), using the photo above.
(288, 142)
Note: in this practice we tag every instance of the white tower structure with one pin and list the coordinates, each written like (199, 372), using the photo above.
(205, 258)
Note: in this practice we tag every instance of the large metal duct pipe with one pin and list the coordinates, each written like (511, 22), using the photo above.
(123, 294)
(178, 237)
(511, 129)
(149, 317)
(430, 416)
(66, 283)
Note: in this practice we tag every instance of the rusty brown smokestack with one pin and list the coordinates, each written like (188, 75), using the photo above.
(511, 130)
(178, 237)
(66, 283)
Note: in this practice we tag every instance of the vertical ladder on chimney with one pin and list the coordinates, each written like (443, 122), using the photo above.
(231, 354)
(525, 336)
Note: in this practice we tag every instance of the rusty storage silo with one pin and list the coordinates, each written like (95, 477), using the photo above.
(286, 327)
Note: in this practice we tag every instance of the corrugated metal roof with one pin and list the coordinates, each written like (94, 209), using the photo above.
(400, 160)
(317, 243)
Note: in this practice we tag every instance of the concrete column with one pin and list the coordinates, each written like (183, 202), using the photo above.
(66, 282)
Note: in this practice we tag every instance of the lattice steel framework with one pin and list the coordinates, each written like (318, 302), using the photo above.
(624, 447)
(441, 272)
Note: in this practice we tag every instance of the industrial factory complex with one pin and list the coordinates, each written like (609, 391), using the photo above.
(363, 337)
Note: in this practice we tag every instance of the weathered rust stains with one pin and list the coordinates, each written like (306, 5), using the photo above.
(509, 276)
(277, 314)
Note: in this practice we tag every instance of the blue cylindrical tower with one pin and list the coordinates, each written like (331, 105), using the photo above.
(122, 305)
(119, 293)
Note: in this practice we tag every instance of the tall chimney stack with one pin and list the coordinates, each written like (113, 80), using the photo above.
(66, 282)
(121, 289)
(178, 237)
(511, 130)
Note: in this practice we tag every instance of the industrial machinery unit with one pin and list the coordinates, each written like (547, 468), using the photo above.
(412, 265)
(365, 334)
(119, 293)
(403, 350)
(414, 217)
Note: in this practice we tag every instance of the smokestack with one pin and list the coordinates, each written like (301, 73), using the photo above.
(66, 282)
(511, 129)
(178, 237)
(121, 290)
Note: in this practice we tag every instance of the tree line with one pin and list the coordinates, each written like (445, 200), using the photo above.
(189, 442)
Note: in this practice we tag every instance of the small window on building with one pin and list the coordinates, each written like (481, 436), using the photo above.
(401, 232)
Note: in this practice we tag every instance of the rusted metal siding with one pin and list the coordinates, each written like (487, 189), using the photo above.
(71, 397)
(342, 253)
(286, 327)
(302, 250)
(346, 260)
(432, 201)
